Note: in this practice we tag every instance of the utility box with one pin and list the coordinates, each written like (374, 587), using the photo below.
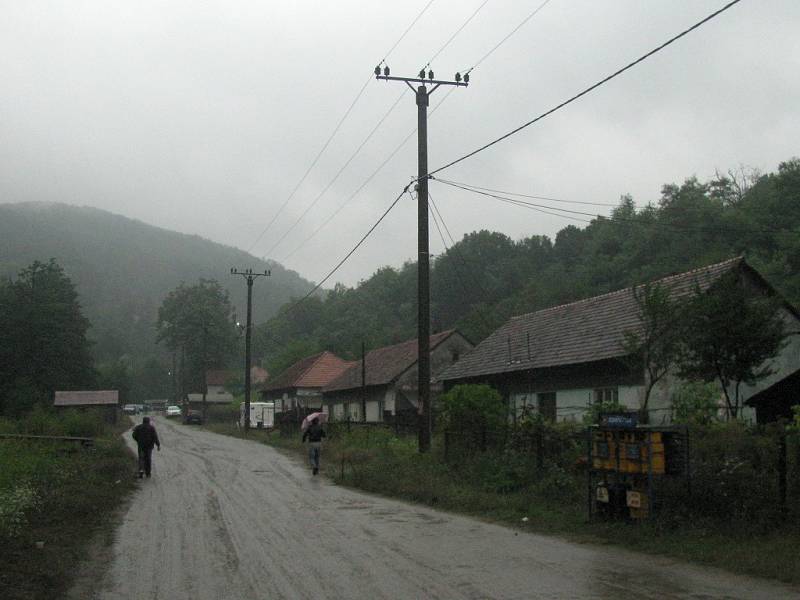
(262, 415)
(626, 459)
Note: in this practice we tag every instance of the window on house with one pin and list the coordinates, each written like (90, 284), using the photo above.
(454, 356)
(608, 394)
(547, 405)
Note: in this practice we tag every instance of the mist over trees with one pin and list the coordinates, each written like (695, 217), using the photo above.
(487, 277)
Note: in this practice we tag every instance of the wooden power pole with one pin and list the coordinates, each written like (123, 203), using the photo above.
(250, 276)
(423, 260)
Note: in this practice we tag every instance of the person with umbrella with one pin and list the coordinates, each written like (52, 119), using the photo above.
(312, 429)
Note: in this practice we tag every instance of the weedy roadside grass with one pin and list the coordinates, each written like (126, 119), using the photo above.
(74, 493)
(487, 486)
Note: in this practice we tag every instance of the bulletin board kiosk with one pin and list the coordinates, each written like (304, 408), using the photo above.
(627, 461)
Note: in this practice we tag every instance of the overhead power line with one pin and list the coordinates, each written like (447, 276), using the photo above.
(338, 173)
(533, 197)
(506, 38)
(364, 183)
(336, 130)
(349, 254)
(459, 30)
(475, 281)
(587, 90)
(614, 218)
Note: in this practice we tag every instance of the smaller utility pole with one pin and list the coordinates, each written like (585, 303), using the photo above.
(250, 276)
(363, 382)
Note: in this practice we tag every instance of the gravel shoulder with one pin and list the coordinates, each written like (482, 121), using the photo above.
(224, 518)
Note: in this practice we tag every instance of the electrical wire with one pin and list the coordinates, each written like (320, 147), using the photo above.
(547, 198)
(336, 130)
(505, 39)
(459, 30)
(405, 33)
(338, 173)
(434, 211)
(614, 218)
(349, 254)
(587, 90)
(430, 114)
(364, 183)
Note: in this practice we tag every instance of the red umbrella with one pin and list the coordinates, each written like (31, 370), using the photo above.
(323, 418)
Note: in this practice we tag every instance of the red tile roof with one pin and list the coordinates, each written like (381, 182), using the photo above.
(86, 398)
(311, 372)
(583, 331)
(258, 375)
(383, 365)
(218, 376)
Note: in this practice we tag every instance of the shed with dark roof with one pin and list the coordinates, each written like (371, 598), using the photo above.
(562, 359)
(104, 402)
(390, 378)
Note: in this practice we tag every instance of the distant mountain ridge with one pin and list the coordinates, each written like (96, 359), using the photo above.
(123, 268)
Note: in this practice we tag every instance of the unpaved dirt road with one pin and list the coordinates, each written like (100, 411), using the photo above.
(224, 518)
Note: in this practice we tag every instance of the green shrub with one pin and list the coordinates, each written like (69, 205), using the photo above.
(695, 403)
(473, 407)
(15, 504)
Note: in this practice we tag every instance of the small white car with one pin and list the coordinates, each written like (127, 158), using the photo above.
(173, 411)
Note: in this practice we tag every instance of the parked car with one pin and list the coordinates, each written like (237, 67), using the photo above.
(173, 411)
(193, 417)
(130, 409)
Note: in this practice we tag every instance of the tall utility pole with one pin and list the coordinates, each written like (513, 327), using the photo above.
(423, 261)
(250, 276)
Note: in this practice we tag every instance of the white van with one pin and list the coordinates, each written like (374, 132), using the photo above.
(262, 415)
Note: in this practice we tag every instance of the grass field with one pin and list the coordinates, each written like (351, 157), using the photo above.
(56, 498)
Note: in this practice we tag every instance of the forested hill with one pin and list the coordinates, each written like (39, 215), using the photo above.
(123, 268)
(487, 277)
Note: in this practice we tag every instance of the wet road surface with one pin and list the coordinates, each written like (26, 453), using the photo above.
(224, 518)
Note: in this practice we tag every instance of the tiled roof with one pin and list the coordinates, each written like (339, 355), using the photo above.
(583, 331)
(218, 377)
(311, 372)
(258, 375)
(384, 364)
(87, 398)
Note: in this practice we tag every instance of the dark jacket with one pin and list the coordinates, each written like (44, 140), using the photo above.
(314, 433)
(146, 436)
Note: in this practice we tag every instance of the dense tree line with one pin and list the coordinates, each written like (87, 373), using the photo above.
(44, 346)
(487, 277)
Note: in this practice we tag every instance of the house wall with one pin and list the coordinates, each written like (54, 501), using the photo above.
(342, 403)
(571, 404)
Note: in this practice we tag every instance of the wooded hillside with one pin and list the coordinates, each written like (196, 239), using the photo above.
(124, 268)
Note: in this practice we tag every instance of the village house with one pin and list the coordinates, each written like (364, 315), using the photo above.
(560, 360)
(103, 402)
(390, 379)
(299, 387)
(216, 395)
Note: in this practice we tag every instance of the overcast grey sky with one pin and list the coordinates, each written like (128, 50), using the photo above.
(202, 116)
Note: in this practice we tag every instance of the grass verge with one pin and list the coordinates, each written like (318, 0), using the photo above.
(554, 504)
(72, 494)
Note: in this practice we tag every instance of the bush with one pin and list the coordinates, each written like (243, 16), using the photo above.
(695, 403)
(15, 503)
(228, 413)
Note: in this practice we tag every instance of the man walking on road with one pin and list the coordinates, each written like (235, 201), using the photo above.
(146, 437)
(314, 433)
